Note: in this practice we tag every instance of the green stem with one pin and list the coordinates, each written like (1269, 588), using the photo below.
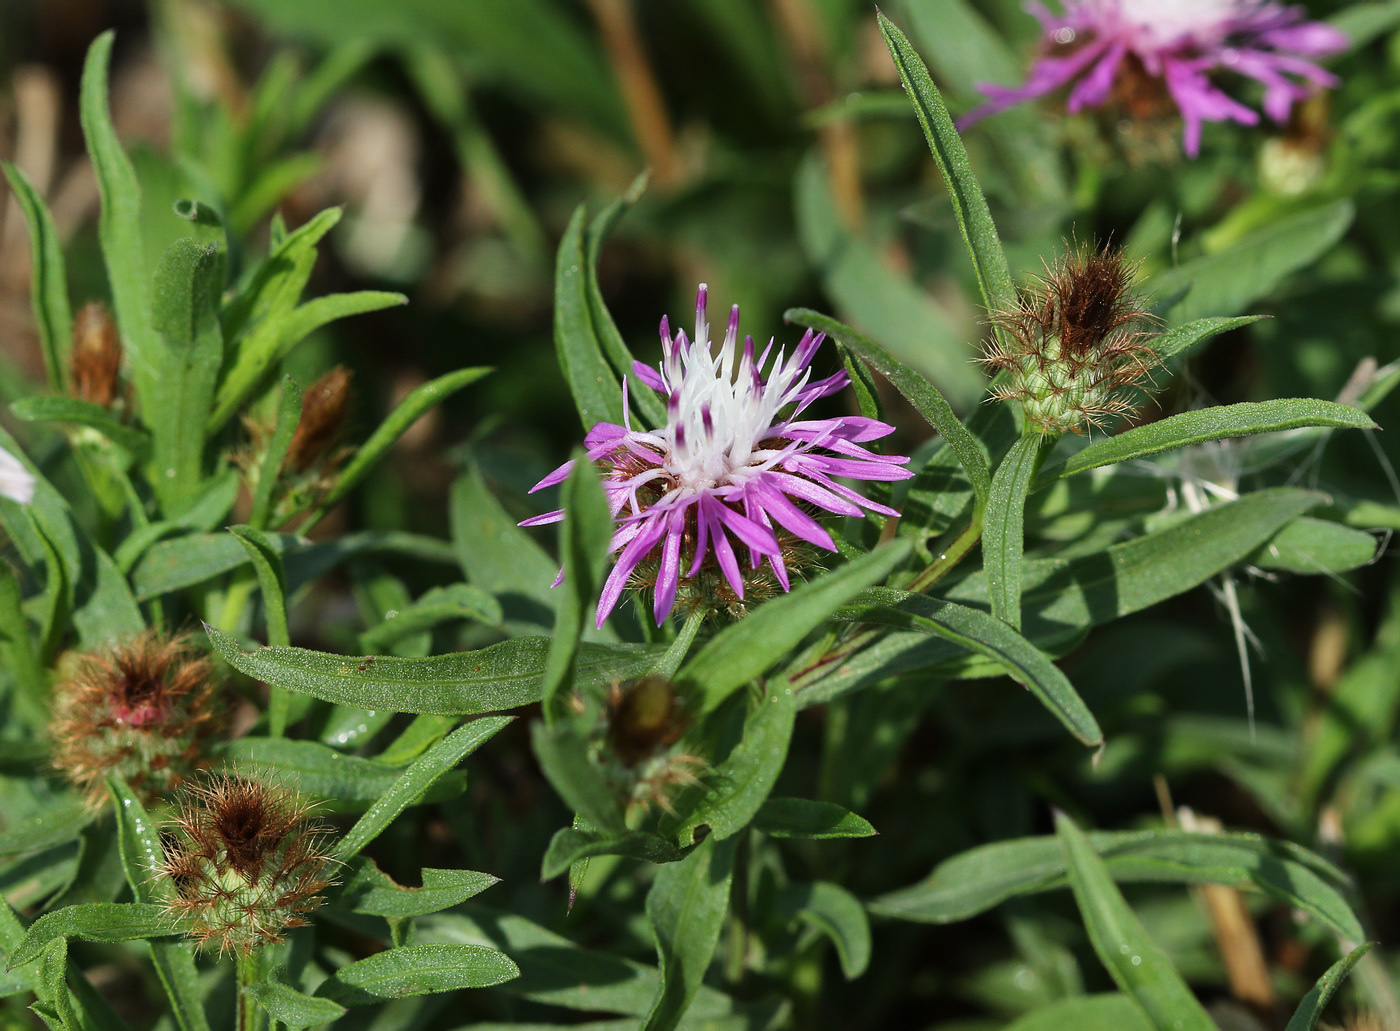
(247, 1015)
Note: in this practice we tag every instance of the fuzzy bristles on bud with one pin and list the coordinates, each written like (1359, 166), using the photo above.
(246, 862)
(96, 358)
(1075, 351)
(142, 709)
(644, 720)
(325, 408)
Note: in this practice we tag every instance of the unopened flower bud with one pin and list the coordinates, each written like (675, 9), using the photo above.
(246, 862)
(142, 709)
(643, 722)
(1074, 350)
(96, 358)
(325, 408)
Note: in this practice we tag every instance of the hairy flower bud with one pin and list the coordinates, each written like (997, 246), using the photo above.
(1075, 351)
(643, 722)
(245, 860)
(142, 709)
(325, 408)
(96, 358)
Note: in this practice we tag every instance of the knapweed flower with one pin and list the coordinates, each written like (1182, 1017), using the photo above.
(16, 482)
(1116, 50)
(246, 862)
(728, 469)
(1074, 349)
(143, 709)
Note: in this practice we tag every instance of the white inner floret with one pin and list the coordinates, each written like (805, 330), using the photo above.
(1163, 22)
(720, 408)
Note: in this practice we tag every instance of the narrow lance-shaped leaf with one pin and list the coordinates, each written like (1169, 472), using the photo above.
(986, 635)
(415, 780)
(590, 377)
(1309, 1011)
(119, 226)
(915, 388)
(138, 840)
(583, 545)
(416, 970)
(270, 468)
(49, 292)
(502, 676)
(686, 906)
(750, 647)
(969, 205)
(563, 757)
(187, 289)
(1137, 965)
(83, 413)
(272, 582)
(94, 921)
(1180, 339)
(292, 1008)
(1219, 423)
(1003, 536)
(418, 403)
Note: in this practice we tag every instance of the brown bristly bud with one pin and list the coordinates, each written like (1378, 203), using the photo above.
(246, 861)
(643, 721)
(143, 709)
(1075, 350)
(96, 357)
(325, 409)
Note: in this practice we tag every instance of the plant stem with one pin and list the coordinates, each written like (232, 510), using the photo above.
(247, 1015)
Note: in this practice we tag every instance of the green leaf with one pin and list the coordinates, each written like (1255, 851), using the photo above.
(500, 557)
(1110, 1012)
(984, 634)
(974, 881)
(417, 779)
(94, 921)
(1205, 424)
(267, 564)
(288, 1006)
(187, 289)
(570, 845)
(563, 757)
(583, 544)
(805, 818)
(591, 380)
(686, 906)
(1309, 545)
(323, 773)
(1135, 962)
(1003, 535)
(367, 889)
(979, 232)
(917, 390)
(502, 676)
(138, 840)
(838, 914)
(83, 413)
(57, 824)
(1310, 1009)
(750, 647)
(269, 470)
(49, 293)
(436, 606)
(412, 408)
(193, 558)
(731, 794)
(416, 970)
(1181, 338)
(1226, 281)
(119, 226)
(1136, 574)
(260, 351)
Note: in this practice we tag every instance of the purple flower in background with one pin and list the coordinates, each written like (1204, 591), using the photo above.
(16, 482)
(728, 470)
(1101, 45)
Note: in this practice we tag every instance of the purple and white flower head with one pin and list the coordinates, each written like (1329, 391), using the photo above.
(734, 470)
(16, 482)
(1097, 45)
